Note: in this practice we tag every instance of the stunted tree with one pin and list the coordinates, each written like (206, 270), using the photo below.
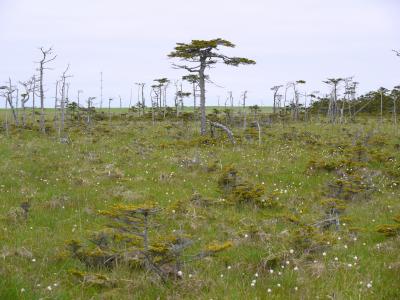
(296, 98)
(64, 99)
(90, 109)
(162, 92)
(109, 109)
(332, 109)
(47, 56)
(203, 54)
(244, 98)
(9, 98)
(194, 80)
(28, 87)
(141, 100)
(5, 95)
(78, 104)
(275, 89)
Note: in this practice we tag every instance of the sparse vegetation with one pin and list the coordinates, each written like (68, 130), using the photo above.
(294, 209)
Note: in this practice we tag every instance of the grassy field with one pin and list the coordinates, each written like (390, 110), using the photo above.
(272, 218)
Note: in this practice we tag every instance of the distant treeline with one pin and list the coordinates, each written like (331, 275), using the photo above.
(370, 103)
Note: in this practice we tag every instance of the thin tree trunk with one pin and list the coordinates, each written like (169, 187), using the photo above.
(203, 129)
(10, 101)
(381, 108)
(42, 121)
(33, 100)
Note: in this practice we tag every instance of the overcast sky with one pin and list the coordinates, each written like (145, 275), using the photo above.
(129, 41)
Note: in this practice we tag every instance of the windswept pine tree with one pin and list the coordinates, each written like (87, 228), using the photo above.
(204, 54)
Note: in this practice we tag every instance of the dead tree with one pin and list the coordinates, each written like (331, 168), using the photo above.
(224, 128)
(140, 96)
(47, 56)
(109, 109)
(28, 87)
(397, 52)
(34, 90)
(193, 79)
(332, 108)
(288, 86)
(143, 98)
(275, 89)
(244, 97)
(231, 98)
(78, 104)
(348, 86)
(154, 96)
(9, 96)
(295, 102)
(56, 107)
(89, 111)
(162, 93)
(64, 98)
(348, 97)
(5, 88)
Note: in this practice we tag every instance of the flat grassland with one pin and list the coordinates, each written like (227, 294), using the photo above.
(301, 211)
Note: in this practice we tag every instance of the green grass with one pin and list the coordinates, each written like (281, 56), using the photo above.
(136, 162)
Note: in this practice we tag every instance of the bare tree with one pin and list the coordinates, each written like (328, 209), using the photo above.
(244, 97)
(397, 52)
(179, 96)
(47, 56)
(109, 109)
(348, 90)
(89, 110)
(5, 95)
(162, 93)
(78, 104)
(9, 96)
(141, 98)
(34, 90)
(194, 80)
(275, 89)
(231, 98)
(56, 125)
(154, 96)
(28, 87)
(64, 98)
(296, 106)
(332, 109)
(205, 54)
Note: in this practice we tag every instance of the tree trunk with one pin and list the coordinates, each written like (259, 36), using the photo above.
(62, 109)
(42, 121)
(10, 101)
(33, 100)
(202, 97)
(381, 108)
(143, 100)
